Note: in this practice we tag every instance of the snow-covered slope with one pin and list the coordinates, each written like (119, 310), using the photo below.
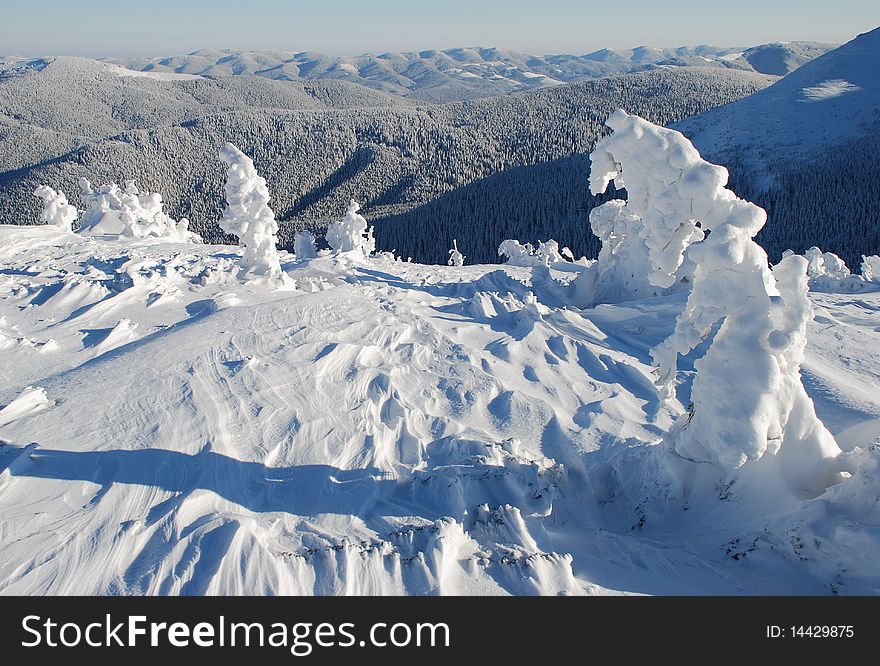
(384, 428)
(827, 101)
(807, 149)
(783, 58)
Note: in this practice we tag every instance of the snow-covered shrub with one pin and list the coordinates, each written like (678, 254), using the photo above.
(826, 272)
(351, 233)
(822, 264)
(664, 178)
(871, 268)
(129, 213)
(546, 254)
(619, 270)
(56, 211)
(456, 258)
(248, 216)
(304, 245)
(747, 399)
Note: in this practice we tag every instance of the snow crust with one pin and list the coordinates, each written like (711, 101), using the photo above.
(390, 428)
(173, 422)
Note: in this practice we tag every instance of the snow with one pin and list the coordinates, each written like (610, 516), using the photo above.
(456, 258)
(387, 428)
(668, 188)
(829, 100)
(304, 245)
(871, 268)
(828, 90)
(350, 234)
(675, 417)
(31, 401)
(248, 216)
(743, 315)
(546, 254)
(128, 212)
(56, 211)
(158, 76)
(829, 273)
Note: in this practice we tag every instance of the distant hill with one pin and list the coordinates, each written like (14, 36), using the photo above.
(467, 73)
(808, 149)
(320, 143)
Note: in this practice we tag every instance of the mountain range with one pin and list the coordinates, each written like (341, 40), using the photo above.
(465, 73)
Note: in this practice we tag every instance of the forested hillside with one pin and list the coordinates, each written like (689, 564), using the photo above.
(321, 144)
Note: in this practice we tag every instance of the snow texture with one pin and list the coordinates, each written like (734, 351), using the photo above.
(392, 428)
(248, 216)
(56, 211)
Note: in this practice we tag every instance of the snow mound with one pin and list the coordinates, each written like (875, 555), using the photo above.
(32, 400)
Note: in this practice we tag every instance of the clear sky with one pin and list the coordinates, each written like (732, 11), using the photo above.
(350, 27)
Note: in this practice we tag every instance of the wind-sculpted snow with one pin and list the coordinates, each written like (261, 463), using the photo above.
(386, 428)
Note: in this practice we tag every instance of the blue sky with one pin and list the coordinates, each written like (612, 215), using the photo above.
(349, 27)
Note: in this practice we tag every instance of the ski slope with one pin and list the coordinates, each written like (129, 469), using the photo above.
(379, 427)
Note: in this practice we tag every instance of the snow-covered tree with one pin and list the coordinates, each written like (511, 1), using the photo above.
(822, 264)
(351, 233)
(129, 213)
(871, 268)
(456, 258)
(663, 178)
(829, 273)
(56, 211)
(248, 216)
(304, 245)
(747, 399)
(546, 254)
